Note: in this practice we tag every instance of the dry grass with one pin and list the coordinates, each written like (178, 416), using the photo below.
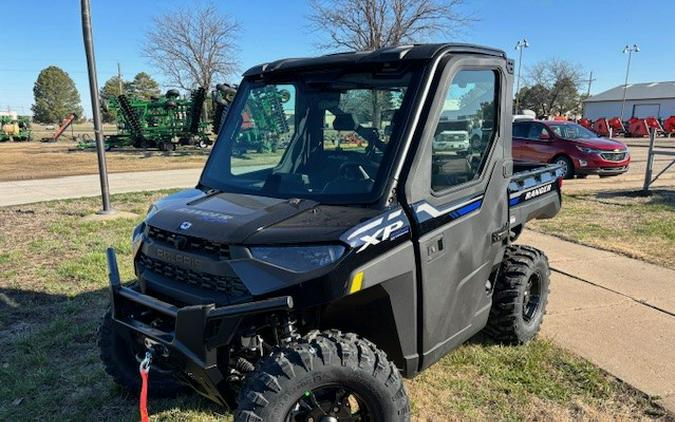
(641, 227)
(37, 160)
(53, 293)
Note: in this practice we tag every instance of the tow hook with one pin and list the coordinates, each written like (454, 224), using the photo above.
(153, 349)
(144, 369)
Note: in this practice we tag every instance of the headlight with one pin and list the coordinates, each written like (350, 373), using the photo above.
(136, 237)
(587, 150)
(299, 258)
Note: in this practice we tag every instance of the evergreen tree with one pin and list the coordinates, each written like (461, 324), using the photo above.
(55, 96)
(143, 86)
(111, 89)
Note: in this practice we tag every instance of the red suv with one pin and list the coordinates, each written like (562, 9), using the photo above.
(578, 150)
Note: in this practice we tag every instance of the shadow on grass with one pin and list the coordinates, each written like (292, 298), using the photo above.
(50, 367)
(655, 197)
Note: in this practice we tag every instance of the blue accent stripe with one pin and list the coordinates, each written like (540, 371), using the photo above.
(514, 201)
(469, 208)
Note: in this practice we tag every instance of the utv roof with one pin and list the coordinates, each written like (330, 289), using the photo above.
(402, 53)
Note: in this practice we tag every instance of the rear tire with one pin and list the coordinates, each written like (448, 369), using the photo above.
(120, 363)
(325, 375)
(520, 295)
(567, 166)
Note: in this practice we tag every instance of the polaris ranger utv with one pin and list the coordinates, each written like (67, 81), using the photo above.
(305, 282)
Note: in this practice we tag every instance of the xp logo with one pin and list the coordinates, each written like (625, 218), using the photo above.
(185, 225)
(383, 233)
(538, 191)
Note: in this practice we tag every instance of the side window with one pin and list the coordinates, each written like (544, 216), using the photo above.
(535, 132)
(465, 130)
(520, 130)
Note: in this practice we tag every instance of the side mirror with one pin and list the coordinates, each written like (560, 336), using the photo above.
(544, 136)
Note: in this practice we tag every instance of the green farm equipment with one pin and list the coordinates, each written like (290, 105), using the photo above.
(264, 109)
(160, 123)
(15, 128)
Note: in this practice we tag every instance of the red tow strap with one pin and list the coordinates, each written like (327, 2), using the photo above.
(144, 370)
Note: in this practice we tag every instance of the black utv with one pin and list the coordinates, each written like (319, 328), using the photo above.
(302, 284)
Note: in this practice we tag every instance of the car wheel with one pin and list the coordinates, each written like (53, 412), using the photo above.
(566, 166)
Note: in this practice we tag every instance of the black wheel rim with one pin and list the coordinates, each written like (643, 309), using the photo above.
(329, 404)
(532, 298)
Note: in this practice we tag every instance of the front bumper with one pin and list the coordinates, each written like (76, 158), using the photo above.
(603, 171)
(194, 333)
(595, 164)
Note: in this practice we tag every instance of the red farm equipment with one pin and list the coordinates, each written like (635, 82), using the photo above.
(616, 125)
(65, 124)
(654, 123)
(601, 127)
(669, 126)
(637, 128)
(588, 124)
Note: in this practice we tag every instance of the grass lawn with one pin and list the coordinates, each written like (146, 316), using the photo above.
(53, 291)
(623, 222)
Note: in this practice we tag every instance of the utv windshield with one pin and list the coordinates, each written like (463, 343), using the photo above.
(328, 136)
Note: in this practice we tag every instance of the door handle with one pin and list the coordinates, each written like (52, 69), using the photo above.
(434, 247)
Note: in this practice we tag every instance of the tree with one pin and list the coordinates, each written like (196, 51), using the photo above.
(143, 86)
(552, 86)
(193, 46)
(372, 24)
(55, 96)
(113, 87)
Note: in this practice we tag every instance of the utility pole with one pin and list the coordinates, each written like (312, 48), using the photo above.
(630, 50)
(95, 106)
(119, 78)
(520, 45)
(590, 81)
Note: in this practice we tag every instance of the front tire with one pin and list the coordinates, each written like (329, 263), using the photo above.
(324, 376)
(566, 165)
(520, 296)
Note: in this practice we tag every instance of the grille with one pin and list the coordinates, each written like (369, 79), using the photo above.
(230, 285)
(613, 156)
(193, 244)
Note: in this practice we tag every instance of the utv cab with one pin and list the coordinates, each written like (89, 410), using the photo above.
(299, 282)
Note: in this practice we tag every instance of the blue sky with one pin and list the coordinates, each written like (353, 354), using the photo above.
(590, 33)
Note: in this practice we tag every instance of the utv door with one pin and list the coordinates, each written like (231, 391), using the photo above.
(458, 199)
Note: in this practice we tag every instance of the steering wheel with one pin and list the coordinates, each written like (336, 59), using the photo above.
(353, 172)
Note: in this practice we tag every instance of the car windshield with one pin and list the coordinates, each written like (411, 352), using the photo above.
(329, 136)
(572, 131)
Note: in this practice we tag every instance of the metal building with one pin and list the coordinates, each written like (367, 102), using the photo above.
(651, 99)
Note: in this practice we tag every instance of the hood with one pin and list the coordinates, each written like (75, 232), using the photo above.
(601, 144)
(247, 219)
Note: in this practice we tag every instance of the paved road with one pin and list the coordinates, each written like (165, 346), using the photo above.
(28, 191)
(617, 312)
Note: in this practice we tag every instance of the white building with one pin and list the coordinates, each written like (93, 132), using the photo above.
(652, 99)
(12, 114)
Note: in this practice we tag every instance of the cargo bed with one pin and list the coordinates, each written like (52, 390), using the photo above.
(534, 193)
